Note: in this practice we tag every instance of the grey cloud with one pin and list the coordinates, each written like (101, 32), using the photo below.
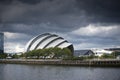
(32, 12)
(31, 29)
(94, 11)
(103, 11)
(33, 17)
(61, 13)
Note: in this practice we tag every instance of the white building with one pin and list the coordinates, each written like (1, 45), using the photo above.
(48, 40)
(100, 52)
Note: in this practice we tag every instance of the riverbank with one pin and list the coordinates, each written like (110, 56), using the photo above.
(99, 63)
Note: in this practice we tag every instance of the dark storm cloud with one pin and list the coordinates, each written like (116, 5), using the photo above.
(101, 10)
(23, 1)
(80, 12)
(61, 13)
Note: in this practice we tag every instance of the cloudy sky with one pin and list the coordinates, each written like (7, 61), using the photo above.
(85, 23)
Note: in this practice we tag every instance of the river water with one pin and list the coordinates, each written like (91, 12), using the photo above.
(46, 72)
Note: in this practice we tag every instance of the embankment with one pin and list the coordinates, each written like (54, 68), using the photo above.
(99, 63)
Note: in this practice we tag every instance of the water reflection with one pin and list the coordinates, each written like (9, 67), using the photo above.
(44, 72)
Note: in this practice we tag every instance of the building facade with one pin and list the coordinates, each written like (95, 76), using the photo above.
(79, 53)
(1, 43)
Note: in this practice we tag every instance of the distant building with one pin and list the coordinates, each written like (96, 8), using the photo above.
(118, 57)
(114, 49)
(100, 52)
(1, 43)
(79, 53)
(95, 52)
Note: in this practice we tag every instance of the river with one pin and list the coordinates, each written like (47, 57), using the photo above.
(46, 72)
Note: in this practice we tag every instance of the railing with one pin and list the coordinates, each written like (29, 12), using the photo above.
(105, 62)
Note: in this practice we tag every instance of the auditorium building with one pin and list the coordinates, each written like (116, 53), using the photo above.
(48, 40)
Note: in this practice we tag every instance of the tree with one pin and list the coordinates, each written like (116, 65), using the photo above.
(66, 53)
(107, 56)
(115, 54)
(57, 52)
(22, 55)
(3, 55)
(15, 56)
(49, 53)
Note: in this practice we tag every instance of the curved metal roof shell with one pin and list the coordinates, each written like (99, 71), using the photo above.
(47, 40)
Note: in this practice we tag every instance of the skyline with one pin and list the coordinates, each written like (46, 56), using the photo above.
(84, 23)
